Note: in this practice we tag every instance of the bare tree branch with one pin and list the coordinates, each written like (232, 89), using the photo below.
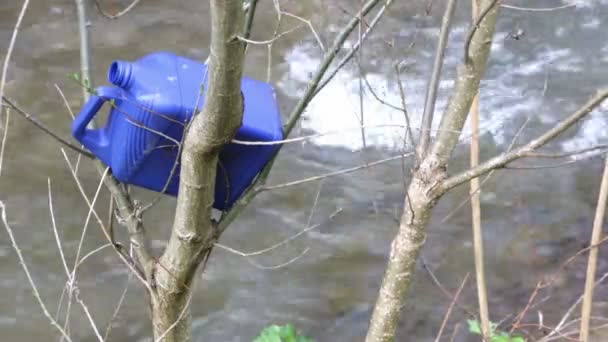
(249, 18)
(327, 60)
(9, 52)
(356, 47)
(31, 118)
(117, 15)
(296, 113)
(27, 273)
(85, 56)
(431, 92)
(449, 311)
(596, 236)
(520, 152)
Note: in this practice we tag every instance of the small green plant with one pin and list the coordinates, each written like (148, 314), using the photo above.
(495, 336)
(284, 333)
(74, 76)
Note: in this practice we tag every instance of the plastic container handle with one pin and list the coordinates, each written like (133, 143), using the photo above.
(95, 139)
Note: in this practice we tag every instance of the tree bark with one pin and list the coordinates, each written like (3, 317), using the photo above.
(193, 232)
(425, 188)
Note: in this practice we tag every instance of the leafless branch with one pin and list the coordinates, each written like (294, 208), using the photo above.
(449, 311)
(309, 23)
(28, 275)
(85, 56)
(504, 159)
(29, 117)
(117, 15)
(596, 236)
(4, 136)
(9, 52)
(123, 256)
(566, 316)
(327, 60)
(280, 243)
(356, 47)
(474, 28)
(406, 116)
(331, 174)
(538, 9)
(313, 136)
(249, 18)
(431, 92)
(488, 176)
(268, 41)
(117, 309)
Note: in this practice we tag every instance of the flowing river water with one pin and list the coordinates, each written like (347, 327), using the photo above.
(543, 66)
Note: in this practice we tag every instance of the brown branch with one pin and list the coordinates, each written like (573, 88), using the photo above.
(431, 92)
(449, 311)
(520, 152)
(596, 236)
(117, 15)
(32, 119)
(466, 85)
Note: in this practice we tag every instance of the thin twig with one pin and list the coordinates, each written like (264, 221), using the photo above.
(28, 275)
(488, 176)
(312, 29)
(356, 47)
(89, 316)
(117, 309)
(538, 9)
(331, 174)
(474, 28)
(127, 260)
(4, 136)
(327, 60)
(451, 307)
(313, 136)
(117, 15)
(11, 46)
(596, 235)
(85, 57)
(404, 110)
(268, 41)
(505, 158)
(569, 312)
(280, 243)
(249, 18)
(431, 92)
(29, 117)
(56, 232)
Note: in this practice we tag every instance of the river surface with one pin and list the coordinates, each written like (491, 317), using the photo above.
(543, 66)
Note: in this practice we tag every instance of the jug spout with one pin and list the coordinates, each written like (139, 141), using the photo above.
(120, 74)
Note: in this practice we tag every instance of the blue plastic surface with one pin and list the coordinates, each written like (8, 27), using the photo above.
(151, 101)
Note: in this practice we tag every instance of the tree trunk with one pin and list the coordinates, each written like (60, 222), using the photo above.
(405, 249)
(194, 233)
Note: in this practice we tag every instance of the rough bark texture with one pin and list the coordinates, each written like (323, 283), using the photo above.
(425, 187)
(193, 231)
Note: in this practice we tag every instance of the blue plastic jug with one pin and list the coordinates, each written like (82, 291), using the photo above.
(151, 101)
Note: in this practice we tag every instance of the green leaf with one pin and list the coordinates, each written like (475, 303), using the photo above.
(474, 326)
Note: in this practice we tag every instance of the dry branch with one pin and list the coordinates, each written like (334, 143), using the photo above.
(523, 151)
(596, 237)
